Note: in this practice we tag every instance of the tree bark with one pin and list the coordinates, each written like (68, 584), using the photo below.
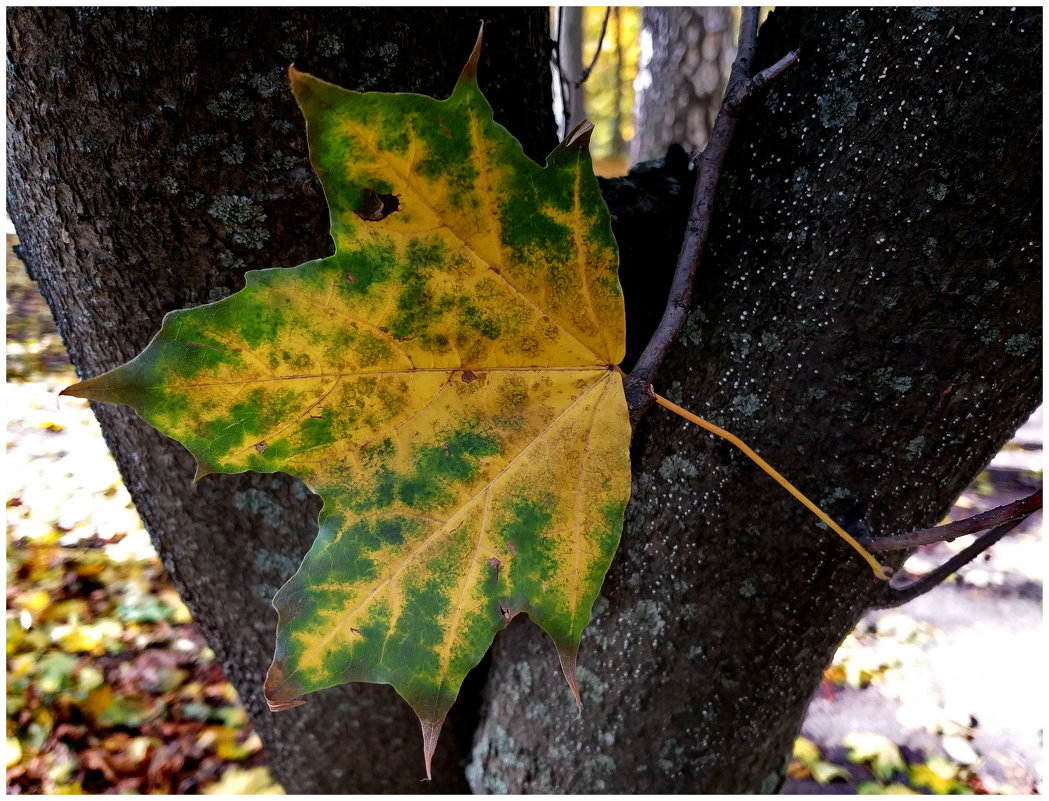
(685, 58)
(869, 318)
(571, 45)
(153, 157)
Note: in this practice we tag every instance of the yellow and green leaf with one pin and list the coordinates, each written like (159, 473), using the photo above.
(445, 382)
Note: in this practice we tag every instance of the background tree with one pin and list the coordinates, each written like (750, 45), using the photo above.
(570, 63)
(686, 53)
(868, 315)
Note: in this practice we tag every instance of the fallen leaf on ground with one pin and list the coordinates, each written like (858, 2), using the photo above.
(877, 751)
(938, 774)
(826, 772)
(245, 781)
(875, 788)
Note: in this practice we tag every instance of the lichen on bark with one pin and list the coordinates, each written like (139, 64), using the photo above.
(842, 328)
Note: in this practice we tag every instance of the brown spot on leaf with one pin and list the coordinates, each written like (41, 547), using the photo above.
(282, 692)
(356, 631)
(277, 706)
(349, 278)
(468, 376)
(445, 129)
(494, 564)
(374, 207)
(261, 446)
(511, 547)
(447, 452)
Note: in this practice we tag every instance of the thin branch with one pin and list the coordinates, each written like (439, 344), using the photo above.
(567, 84)
(1017, 510)
(741, 87)
(897, 596)
(768, 75)
(597, 52)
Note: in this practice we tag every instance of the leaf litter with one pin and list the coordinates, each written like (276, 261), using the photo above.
(109, 686)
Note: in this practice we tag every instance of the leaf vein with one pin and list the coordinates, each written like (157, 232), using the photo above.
(447, 528)
(462, 237)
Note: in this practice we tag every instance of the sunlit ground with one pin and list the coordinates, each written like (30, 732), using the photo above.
(942, 695)
(111, 688)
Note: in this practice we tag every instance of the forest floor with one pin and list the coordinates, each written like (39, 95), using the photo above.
(112, 689)
(941, 695)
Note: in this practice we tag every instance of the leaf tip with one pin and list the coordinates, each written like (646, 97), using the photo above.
(575, 145)
(568, 666)
(279, 706)
(300, 84)
(579, 137)
(105, 388)
(203, 469)
(431, 732)
(280, 692)
(81, 389)
(469, 72)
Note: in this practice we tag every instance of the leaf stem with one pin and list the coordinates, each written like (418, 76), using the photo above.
(879, 570)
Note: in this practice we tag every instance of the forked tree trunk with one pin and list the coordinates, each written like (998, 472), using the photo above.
(869, 318)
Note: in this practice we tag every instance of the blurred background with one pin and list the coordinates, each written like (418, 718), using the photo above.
(112, 689)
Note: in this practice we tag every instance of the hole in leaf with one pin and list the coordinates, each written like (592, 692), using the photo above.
(374, 207)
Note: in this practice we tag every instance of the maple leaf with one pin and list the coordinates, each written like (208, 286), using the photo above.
(444, 382)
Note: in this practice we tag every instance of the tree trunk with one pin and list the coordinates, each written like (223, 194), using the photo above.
(685, 58)
(571, 44)
(617, 148)
(153, 157)
(869, 317)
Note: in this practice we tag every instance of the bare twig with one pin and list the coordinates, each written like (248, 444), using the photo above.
(767, 76)
(597, 52)
(1017, 510)
(568, 85)
(741, 86)
(892, 596)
